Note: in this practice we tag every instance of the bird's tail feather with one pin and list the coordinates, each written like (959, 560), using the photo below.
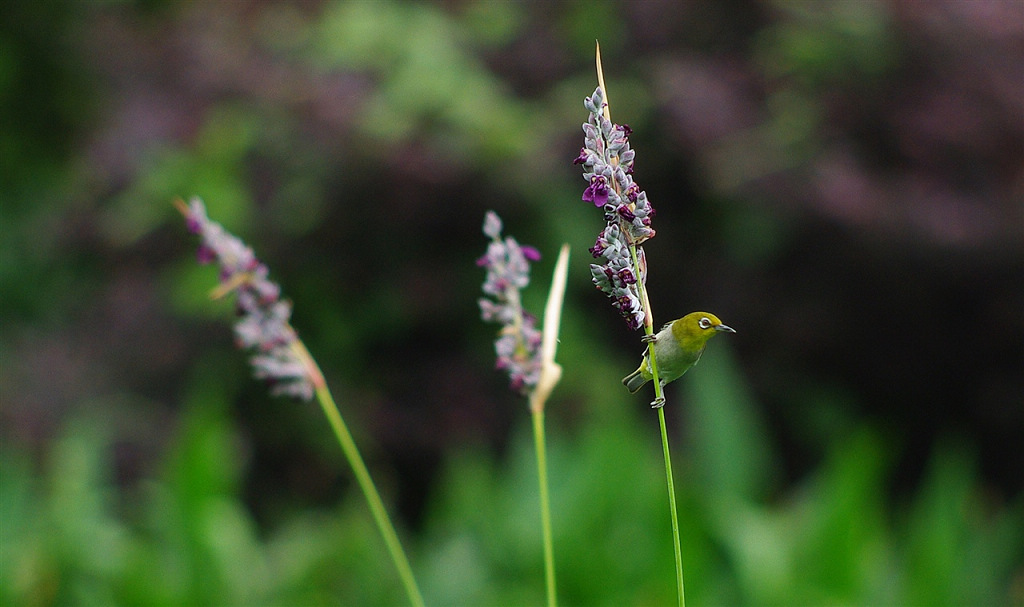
(634, 381)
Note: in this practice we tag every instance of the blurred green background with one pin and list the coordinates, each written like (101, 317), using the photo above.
(841, 182)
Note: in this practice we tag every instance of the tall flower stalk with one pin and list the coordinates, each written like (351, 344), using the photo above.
(279, 356)
(607, 162)
(524, 352)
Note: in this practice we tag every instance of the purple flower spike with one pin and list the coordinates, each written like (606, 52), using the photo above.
(508, 271)
(608, 168)
(263, 325)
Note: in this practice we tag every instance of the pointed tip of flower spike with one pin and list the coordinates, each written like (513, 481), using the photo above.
(194, 213)
(492, 224)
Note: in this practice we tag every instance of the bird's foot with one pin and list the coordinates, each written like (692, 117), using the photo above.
(658, 403)
(649, 339)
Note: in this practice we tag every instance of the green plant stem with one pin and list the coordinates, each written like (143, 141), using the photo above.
(550, 373)
(545, 507)
(659, 396)
(672, 508)
(380, 515)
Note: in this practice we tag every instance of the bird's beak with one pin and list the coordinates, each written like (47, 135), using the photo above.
(725, 328)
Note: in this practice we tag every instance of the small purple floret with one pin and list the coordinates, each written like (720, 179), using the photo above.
(597, 191)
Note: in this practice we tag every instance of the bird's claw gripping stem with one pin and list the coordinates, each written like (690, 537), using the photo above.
(649, 339)
(658, 403)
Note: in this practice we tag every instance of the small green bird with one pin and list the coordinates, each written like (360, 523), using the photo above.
(678, 347)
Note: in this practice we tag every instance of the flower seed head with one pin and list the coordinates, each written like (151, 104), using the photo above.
(263, 326)
(508, 272)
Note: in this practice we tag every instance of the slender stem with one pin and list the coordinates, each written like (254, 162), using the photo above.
(672, 508)
(550, 373)
(545, 506)
(380, 515)
(659, 397)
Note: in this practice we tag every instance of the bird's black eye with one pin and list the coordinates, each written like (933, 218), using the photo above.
(704, 323)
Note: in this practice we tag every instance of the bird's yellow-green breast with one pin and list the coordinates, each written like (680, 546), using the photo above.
(678, 346)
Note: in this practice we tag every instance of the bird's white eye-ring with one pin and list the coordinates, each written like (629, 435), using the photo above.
(704, 323)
